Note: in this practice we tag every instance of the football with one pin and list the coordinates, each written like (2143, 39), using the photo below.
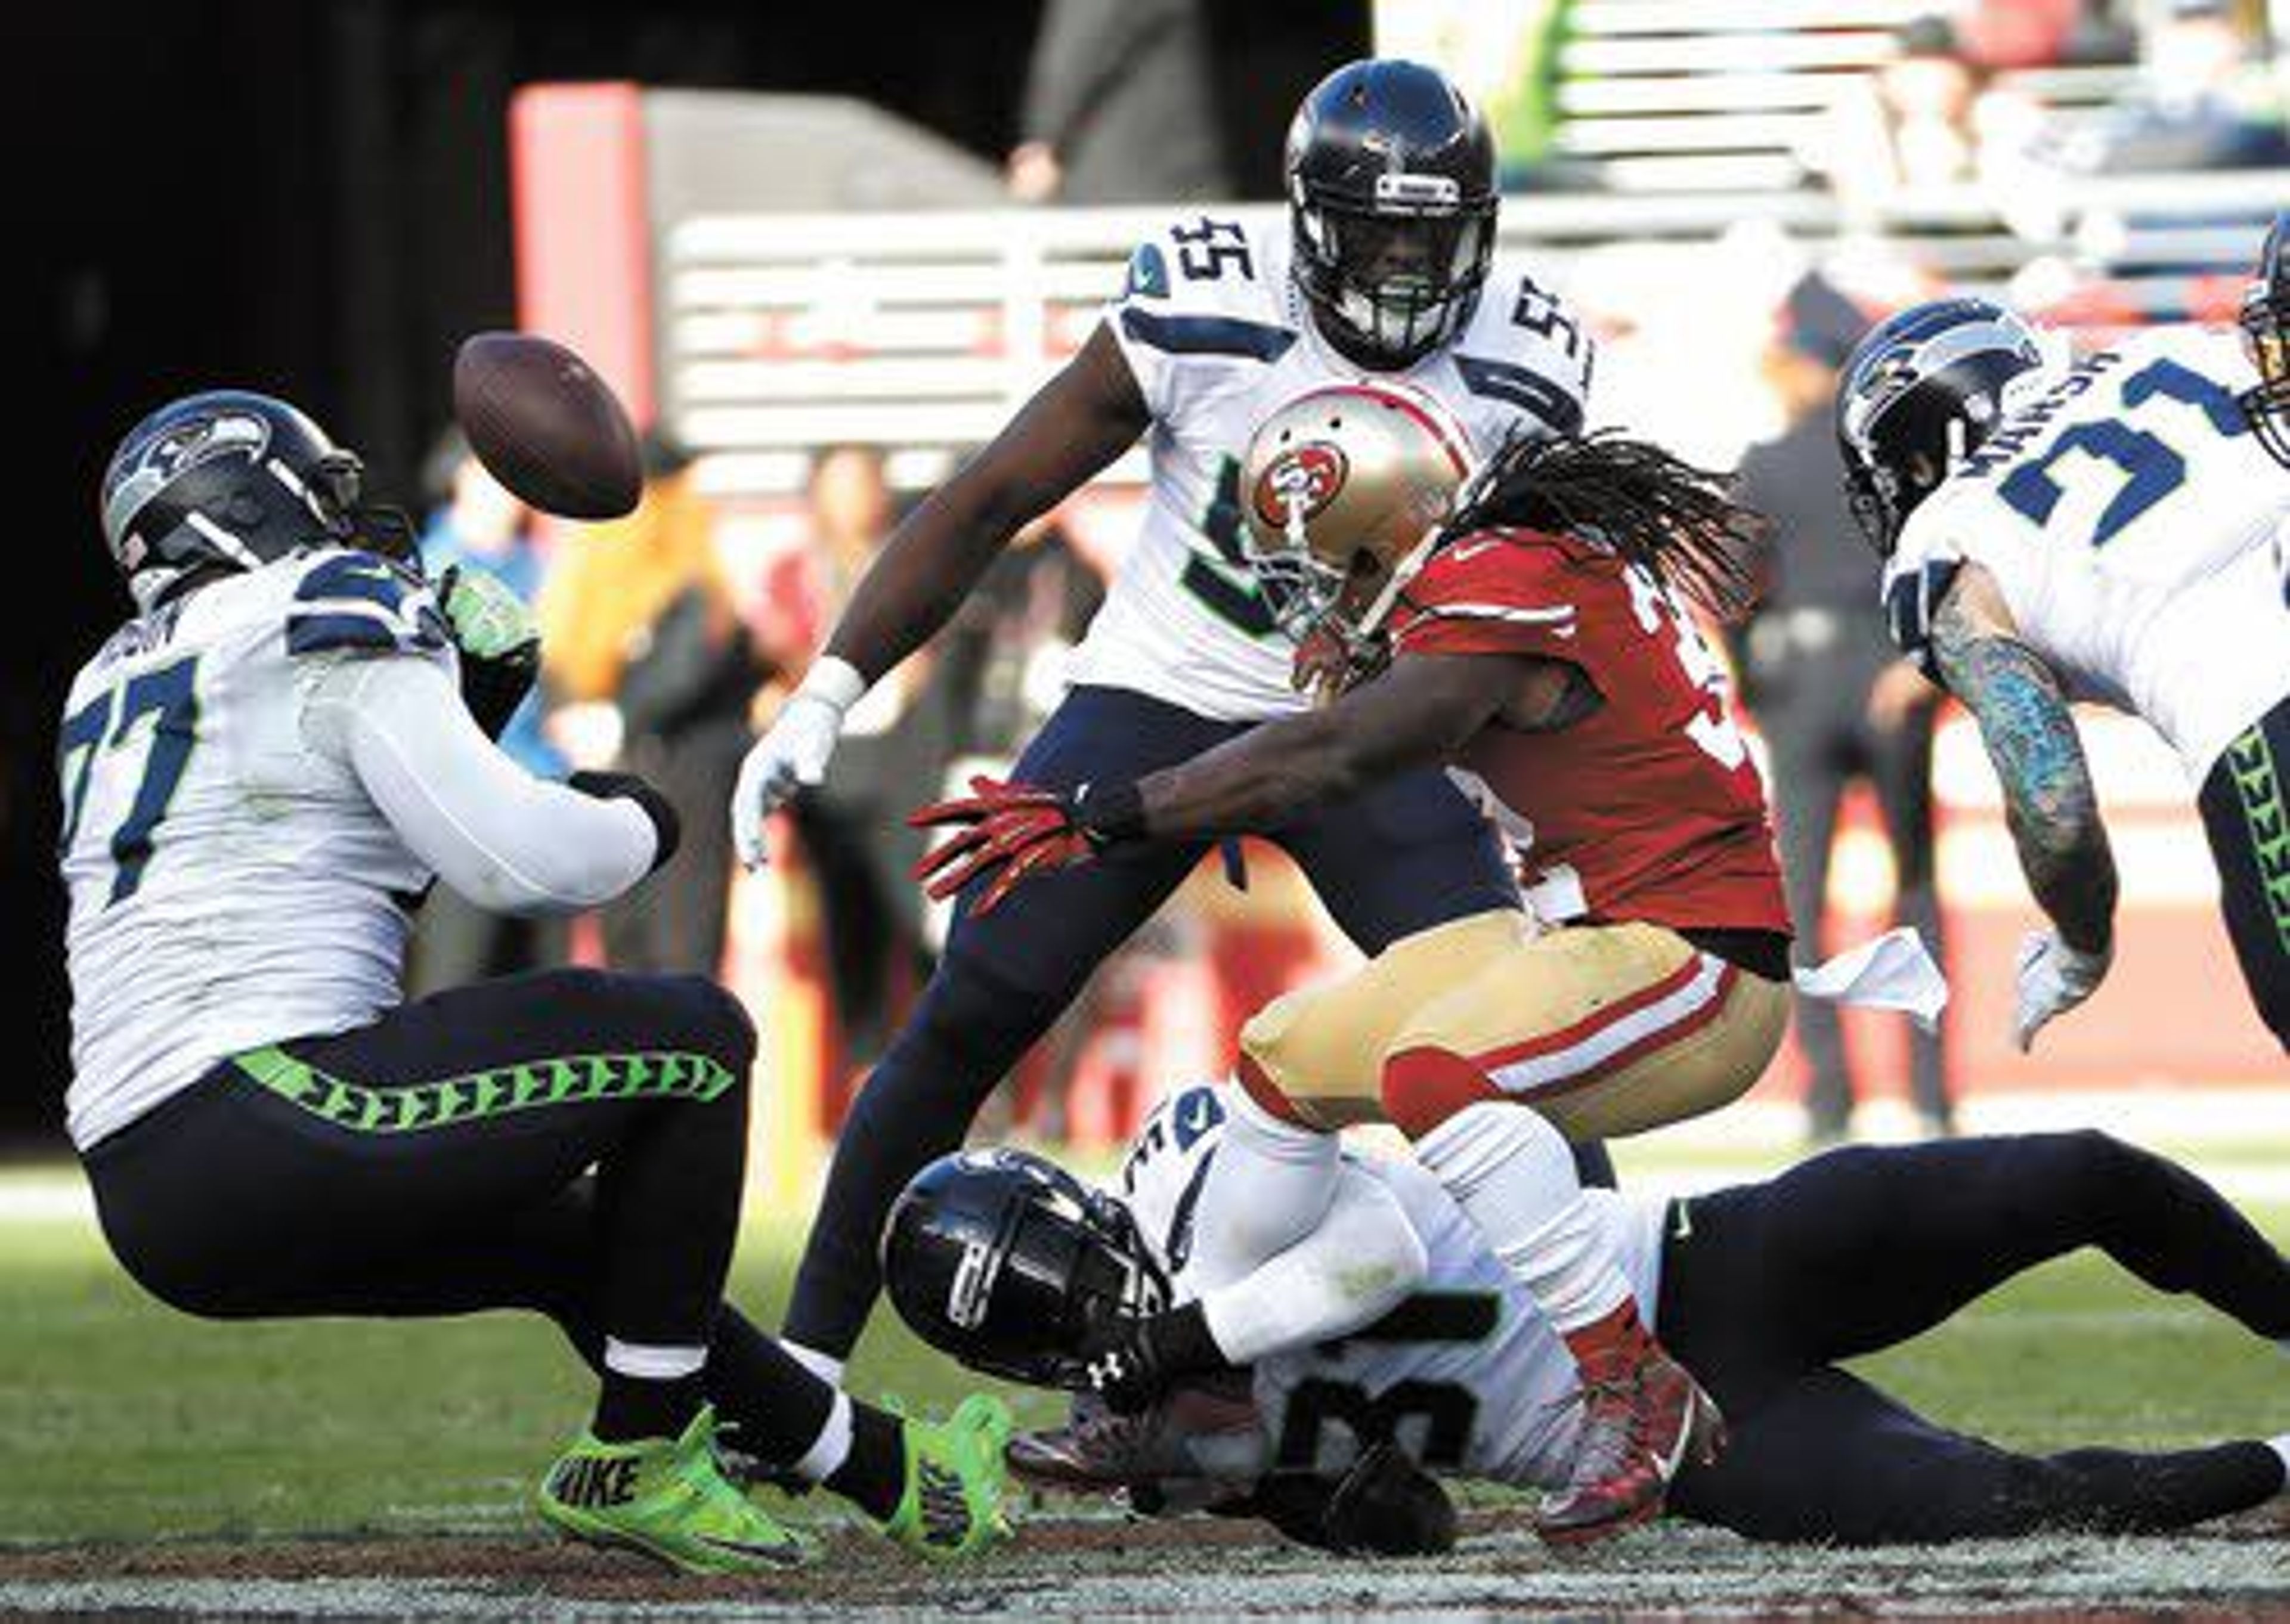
(547, 426)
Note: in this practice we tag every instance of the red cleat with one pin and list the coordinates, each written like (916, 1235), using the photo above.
(1643, 1418)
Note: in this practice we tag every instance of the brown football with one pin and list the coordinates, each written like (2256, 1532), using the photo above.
(547, 426)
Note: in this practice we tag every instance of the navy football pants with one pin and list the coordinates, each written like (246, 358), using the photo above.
(1407, 855)
(1767, 1287)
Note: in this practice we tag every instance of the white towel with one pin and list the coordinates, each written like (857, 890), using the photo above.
(1893, 971)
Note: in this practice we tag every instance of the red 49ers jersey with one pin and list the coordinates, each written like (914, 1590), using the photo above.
(1648, 809)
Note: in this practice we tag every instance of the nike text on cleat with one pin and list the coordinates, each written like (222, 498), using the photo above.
(667, 1499)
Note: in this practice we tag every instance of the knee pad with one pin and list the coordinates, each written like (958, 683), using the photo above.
(1423, 1086)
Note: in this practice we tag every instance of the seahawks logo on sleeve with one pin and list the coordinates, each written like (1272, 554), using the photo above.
(363, 602)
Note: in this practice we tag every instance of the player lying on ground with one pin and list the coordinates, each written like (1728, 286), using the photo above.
(1529, 630)
(1393, 1325)
(2112, 532)
(263, 771)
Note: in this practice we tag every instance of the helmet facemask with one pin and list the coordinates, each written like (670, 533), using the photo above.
(1393, 281)
(2265, 323)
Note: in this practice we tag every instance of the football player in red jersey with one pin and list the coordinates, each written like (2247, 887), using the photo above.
(1528, 626)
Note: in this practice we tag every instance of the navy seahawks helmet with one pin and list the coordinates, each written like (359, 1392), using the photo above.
(1003, 1259)
(2266, 333)
(233, 479)
(1921, 391)
(1391, 202)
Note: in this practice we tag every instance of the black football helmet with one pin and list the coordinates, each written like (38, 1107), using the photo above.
(1921, 390)
(1003, 1259)
(1391, 202)
(233, 479)
(2266, 333)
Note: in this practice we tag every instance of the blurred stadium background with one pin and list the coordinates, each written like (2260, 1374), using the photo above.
(777, 233)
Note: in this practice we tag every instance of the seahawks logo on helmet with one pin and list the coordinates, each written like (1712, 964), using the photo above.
(143, 471)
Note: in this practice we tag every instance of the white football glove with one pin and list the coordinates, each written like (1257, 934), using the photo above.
(792, 753)
(2053, 978)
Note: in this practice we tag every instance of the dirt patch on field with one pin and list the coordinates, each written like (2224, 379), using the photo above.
(1104, 1569)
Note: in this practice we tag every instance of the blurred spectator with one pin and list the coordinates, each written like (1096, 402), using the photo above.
(473, 520)
(1120, 107)
(896, 744)
(1834, 706)
(2205, 98)
(644, 647)
(1928, 116)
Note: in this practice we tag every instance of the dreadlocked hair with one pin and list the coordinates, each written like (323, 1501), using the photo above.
(1678, 521)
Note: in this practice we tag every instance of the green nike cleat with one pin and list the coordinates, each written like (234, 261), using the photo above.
(668, 1500)
(956, 1482)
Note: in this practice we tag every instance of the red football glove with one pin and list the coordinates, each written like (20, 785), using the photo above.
(1018, 827)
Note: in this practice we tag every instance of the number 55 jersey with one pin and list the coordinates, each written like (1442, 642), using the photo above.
(2135, 527)
(1217, 336)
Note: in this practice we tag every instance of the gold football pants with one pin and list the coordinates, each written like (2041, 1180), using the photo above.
(1606, 1030)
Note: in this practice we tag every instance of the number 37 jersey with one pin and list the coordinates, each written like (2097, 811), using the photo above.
(1217, 336)
(2135, 527)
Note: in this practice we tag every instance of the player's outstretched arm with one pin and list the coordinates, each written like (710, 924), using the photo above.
(1424, 710)
(508, 841)
(1077, 423)
(2049, 802)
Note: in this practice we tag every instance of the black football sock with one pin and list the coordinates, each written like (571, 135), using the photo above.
(873, 1476)
(633, 1407)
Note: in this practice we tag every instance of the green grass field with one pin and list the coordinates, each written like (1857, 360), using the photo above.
(125, 1421)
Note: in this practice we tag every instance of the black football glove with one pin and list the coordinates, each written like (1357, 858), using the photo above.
(1385, 1506)
(497, 639)
(1132, 1360)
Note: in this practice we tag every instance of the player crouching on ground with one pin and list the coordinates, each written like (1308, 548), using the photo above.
(264, 770)
(1391, 1340)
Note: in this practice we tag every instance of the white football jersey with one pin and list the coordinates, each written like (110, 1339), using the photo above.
(229, 885)
(2135, 528)
(1218, 335)
(1466, 1375)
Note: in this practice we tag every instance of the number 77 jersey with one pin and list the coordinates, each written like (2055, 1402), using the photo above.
(1217, 336)
(229, 883)
(2135, 528)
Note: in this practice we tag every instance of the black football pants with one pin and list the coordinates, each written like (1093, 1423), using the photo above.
(2246, 807)
(1766, 1286)
(571, 1142)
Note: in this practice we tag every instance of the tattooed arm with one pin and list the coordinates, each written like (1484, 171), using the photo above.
(2031, 739)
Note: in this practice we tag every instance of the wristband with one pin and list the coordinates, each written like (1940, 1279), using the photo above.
(667, 828)
(1112, 814)
(834, 682)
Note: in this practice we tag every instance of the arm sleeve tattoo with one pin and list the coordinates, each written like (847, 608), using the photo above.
(2031, 739)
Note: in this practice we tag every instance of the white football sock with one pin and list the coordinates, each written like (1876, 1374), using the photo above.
(827, 1367)
(832, 1447)
(1514, 1177)
(653, 1362)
